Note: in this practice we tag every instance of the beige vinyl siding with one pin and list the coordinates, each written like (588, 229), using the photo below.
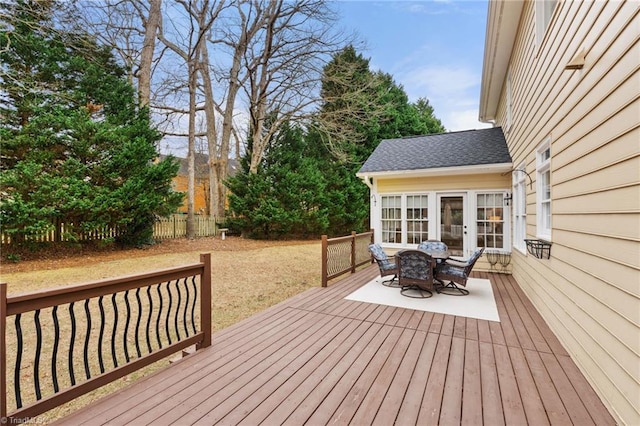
(589, 291)
(445, 183)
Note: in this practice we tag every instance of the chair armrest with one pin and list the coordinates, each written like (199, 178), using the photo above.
(456, 262)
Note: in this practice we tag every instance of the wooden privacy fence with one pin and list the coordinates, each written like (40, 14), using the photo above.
(68, 341)
(66, 231)
(174, 226)
(344, 254)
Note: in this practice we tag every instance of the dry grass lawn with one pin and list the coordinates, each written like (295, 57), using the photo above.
(247, 277)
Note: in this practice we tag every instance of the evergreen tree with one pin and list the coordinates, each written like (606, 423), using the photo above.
(287, 195)
(75, 147)
(431, 122)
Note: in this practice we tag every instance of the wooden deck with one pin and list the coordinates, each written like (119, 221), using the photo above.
(319, 359)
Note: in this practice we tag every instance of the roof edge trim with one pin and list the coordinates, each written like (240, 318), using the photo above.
(441, 171)
(503, 19)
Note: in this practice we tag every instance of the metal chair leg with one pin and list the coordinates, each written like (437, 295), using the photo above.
(393, 282)
(416, 292)
(451, 289)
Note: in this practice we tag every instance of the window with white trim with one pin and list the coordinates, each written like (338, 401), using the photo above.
(391, 218)
(543, 191)
(543, 12)
(520, 208)
(490, 220)
(417, 218)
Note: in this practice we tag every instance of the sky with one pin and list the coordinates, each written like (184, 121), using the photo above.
(433, 48)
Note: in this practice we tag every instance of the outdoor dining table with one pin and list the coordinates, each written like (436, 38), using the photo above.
(438, 255)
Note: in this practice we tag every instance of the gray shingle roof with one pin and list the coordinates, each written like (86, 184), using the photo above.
(454, 149)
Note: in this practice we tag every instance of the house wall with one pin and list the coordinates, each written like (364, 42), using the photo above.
(180, 184)
(443, 184)
(589, 290)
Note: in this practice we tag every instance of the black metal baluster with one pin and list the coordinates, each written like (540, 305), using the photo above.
(166, 321)
(16, 371)
(186, 306)
(54, 354)
(158, 319)
(125, 338)
(149, 319)
(36, 362)
(87, 337)
(101, 334)
(72, 340)
(175, 322)
(193, 306)
(113, 332)
(138, 322)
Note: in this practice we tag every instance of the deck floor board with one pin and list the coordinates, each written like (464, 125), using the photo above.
(319, 359)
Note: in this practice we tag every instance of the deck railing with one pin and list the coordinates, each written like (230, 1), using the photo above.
(68, 341)
(344, 254)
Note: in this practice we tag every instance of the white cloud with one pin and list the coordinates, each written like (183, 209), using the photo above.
(463, 120)
(452, 90)
(443, 81)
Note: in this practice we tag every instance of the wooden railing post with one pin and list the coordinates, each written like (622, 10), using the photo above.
(325, 247)
(205, 300)
(371, 242)
(3, 351)
(353, 252)
(332, 261)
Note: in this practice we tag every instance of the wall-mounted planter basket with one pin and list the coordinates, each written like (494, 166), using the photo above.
(496, 256)
(539, 248)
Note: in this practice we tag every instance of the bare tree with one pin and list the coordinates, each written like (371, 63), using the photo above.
(352, 101)
(284, 66)
(199, 19)
(265, 54)
(236, 35)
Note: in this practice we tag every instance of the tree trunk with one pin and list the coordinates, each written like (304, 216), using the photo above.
(259, 91)
(191, 154)
(216, 158)
(148, 47)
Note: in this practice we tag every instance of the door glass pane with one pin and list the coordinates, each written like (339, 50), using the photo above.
(451, 224)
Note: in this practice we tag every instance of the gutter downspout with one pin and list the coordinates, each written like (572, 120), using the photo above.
(367, 182)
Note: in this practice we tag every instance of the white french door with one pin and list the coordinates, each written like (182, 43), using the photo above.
(452, 222)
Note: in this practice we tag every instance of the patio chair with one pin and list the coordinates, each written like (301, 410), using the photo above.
(433, 245)
(456, 273)
(386, 265)
(415, 273)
